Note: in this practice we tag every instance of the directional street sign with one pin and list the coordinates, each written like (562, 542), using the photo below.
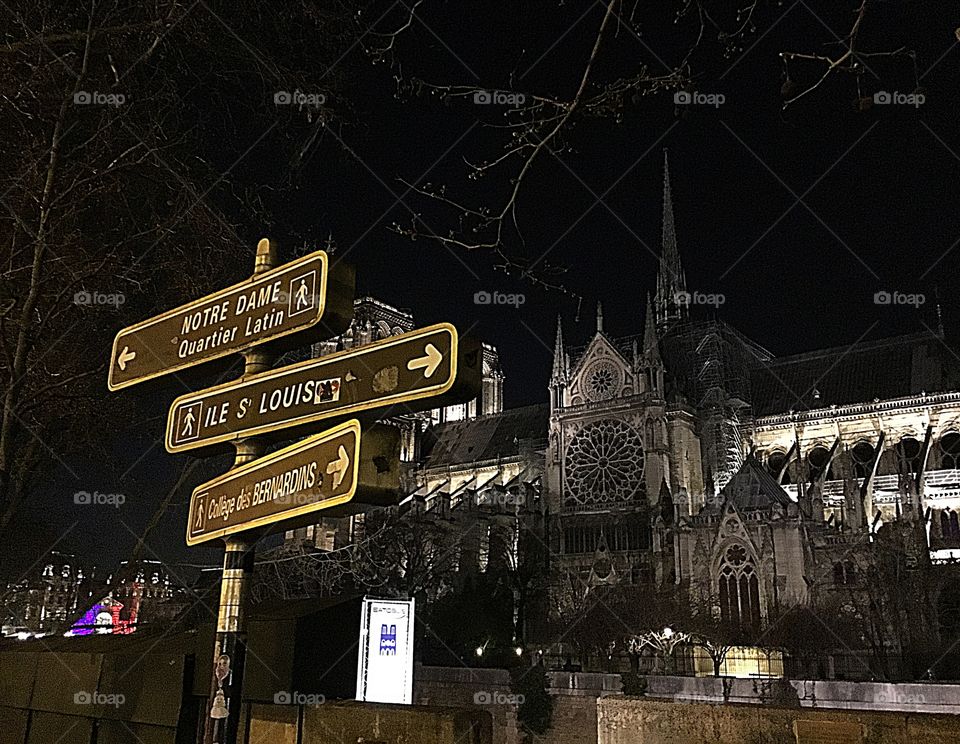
(422, 369)
(299, 301)
(325, 471)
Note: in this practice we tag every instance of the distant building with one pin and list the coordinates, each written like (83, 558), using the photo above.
(43, 601)
(148, 594)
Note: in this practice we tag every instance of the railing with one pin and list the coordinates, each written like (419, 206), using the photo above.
(937, 484)
(694, 662)
(942, 477)
(584, 683)
(843, 538)
(857, 409)
(626, 507)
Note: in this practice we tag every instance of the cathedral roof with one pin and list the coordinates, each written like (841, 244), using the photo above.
(485, 437)
(889, 368)
(623, 344)
(752, 487)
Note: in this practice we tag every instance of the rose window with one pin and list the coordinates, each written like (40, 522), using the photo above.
(736, 555)
(602, 380)
(604, 464)
(602, 568)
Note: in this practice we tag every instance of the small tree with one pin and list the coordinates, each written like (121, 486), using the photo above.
(713, 634)
(536, 709)
(662, 642)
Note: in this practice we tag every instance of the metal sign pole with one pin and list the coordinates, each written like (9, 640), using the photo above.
(224, 706)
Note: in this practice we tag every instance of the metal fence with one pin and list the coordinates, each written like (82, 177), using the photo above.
(760, 663)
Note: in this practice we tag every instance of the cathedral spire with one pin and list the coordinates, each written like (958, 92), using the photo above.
(561, 367)
(651, 342)
(559, 358)
(653, 371)
(671, 299)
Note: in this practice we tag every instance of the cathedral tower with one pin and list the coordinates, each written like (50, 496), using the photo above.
(651, 363)
(558, 378)
(672, 299)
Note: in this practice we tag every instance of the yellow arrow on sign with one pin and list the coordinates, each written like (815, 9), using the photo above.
(125, 356)
(428, 363)
(338, 468)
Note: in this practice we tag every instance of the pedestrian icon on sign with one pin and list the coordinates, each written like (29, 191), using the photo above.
(302, 302)
(198, 523)
(188, 421)
(302, 295)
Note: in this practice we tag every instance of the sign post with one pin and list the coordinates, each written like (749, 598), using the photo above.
(325, 471)
(421, 369)
(299, 301)
(278, 308)
(221, 721)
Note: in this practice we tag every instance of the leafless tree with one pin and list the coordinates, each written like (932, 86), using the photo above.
(124, 188)
(634, 53)
(403, 555)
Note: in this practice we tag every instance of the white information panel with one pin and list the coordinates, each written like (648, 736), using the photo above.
(385, 661)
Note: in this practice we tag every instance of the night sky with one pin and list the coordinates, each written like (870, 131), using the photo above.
(878, 208)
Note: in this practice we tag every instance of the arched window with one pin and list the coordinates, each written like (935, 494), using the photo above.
(948, 609)
(483, 556)
(850, 571)
(949, 524)
(383, 329)
(950, 451)
(775, 462)
(817, 460)
(838, 579)
(862, 455)
(739, 589)
(908, 455)
(844, 573)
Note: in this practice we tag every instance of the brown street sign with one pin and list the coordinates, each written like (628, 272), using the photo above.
(299, 301)
(422, 369)
(333, 469)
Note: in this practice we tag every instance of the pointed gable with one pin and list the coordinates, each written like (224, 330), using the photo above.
(752, 487)
(599, 347)
(601, 373)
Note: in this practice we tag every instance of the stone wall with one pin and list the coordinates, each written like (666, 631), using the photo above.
(486, 689)
(374, 723)
(622, 720)
(575, 694)
(574, 719)
(832, 694)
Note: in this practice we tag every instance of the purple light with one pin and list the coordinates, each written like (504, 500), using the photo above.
(85, 625)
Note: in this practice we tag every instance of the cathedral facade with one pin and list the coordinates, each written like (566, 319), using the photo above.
(689, 456)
